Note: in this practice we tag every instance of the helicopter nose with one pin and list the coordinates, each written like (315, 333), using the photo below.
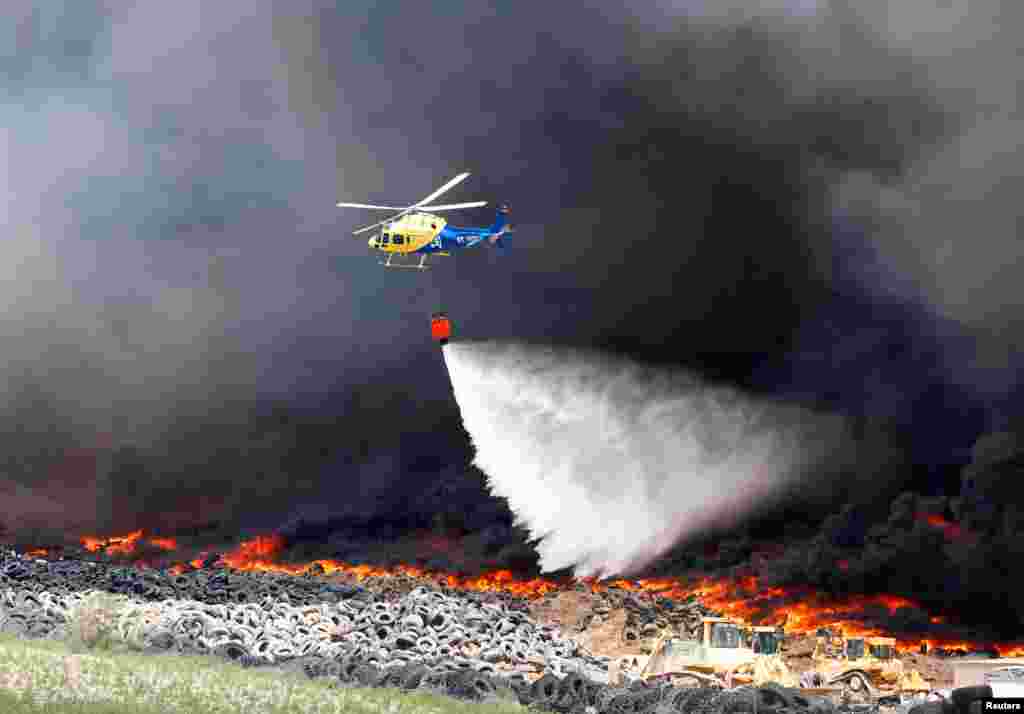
(372, 242)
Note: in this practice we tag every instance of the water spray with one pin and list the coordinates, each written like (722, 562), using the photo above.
(610, 463)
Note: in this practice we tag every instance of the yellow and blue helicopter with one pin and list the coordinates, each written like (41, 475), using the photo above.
(416, 231)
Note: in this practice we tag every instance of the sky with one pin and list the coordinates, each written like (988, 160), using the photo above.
(815, 200)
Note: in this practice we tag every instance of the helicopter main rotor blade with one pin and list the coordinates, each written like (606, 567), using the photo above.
(444, 189)
(452, 206)
(378, 224)
(447, 187)
(366, 205)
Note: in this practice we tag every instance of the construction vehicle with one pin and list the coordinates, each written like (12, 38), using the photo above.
(727, 653)
(767, 664)
(862, 668)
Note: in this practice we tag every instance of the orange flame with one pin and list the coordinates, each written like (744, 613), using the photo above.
(799, 610)
(952, 531)
(125, 544)
(118, 545)
(164, 543)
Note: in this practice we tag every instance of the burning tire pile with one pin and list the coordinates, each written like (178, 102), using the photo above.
(468, 645)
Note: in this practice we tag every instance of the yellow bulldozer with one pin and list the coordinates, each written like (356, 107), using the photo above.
(861, 668)
(727, 653)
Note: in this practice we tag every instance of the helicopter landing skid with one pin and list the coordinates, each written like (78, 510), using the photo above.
(422, 265)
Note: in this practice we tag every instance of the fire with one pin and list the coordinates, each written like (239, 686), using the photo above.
(800, 610)
(37, 553)
(952, 531)
(126, 544)
(122, 545)
(164, 543)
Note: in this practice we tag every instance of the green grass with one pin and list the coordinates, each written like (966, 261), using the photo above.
(115, 681)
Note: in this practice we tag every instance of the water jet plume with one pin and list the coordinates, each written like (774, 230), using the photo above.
(610, 463)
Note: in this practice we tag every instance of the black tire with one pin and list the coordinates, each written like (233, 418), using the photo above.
(523, 691)
(700, 699)
(604, 696)
(162, 640)
(775, 695)
(963, 697)
(791, 697)
(573, 687)
(646, 701)
(545, 690)
(313, 668)
(413, 676)
(635, 702)
(741, 702)
(472, 685)
(367, 675)
(591, 693)
(349, 665)
(392, 677)
(231, 650)
(941, 707)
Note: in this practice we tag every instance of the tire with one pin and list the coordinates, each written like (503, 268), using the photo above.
(413, 676)
(231, 650)
(545, 690)
(469, 684)
(791, 698)
(742, 702)
(367, 675)
(932, 708)
(574, 687)
(962, 697)
(349, 665)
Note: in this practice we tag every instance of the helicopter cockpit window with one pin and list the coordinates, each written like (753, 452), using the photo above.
(384, 239)
(725, 635)
(398, 240)
(854, 648)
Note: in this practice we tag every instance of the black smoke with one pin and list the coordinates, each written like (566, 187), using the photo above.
(816, 201)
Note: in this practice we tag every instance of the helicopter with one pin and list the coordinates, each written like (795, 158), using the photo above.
(415, 231)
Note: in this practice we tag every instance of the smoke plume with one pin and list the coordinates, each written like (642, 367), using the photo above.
(610, 463)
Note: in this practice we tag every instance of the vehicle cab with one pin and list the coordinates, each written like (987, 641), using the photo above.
(882, 648)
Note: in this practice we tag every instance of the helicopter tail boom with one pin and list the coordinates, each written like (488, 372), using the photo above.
(501, 220)
(499, 228)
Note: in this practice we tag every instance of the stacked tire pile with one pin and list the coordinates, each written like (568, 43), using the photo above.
(212, 587)
(470, 646)
(576, 694)
(648, 619)
(270, 619)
